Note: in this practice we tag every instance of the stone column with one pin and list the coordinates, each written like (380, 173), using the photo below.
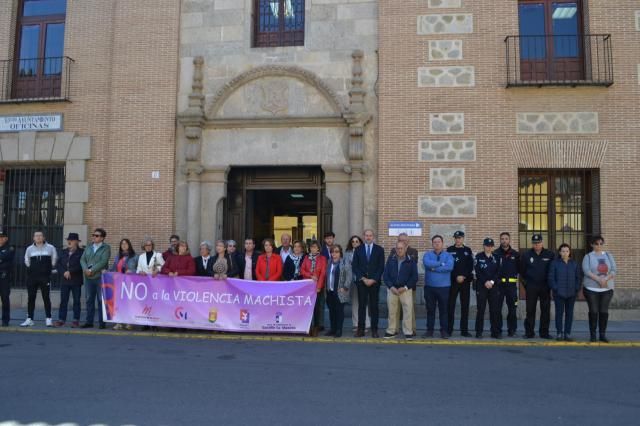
(356, 200)
(213, 190)
(337, 181)
(193, 172)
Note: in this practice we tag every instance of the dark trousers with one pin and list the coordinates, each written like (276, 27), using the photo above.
(65, 291)
(564, 308)
(318, 311)
(5, 290)
(535, 293)
(437, 296)
(32, 291)
(336, 311)
(509, 293)
(368, 296)
(464, 290)
(93, 292)
(598, 302)
(493, 297)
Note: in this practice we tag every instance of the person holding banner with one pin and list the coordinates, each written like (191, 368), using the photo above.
(269, 265)
(204, 264)
(124, 262)
(223, 265)
(248, 260)
(293, 264)
(150, 262)
(338, 283)
(180, 264)
(314, 267)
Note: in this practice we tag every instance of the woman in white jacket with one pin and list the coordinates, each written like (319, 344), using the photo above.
(150, 262)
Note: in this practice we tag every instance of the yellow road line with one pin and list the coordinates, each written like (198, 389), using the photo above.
(280, 338)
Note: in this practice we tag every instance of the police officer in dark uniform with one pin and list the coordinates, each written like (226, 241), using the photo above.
(7, 254)
(508, 281)
(487, 267)
(534, 269)
(461, 278)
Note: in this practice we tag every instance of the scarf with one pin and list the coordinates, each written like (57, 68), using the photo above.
(296, 264)
(313, 258)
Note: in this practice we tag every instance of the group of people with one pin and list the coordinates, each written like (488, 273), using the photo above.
(350, 275)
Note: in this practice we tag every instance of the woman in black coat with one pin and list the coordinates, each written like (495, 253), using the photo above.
(294, 262)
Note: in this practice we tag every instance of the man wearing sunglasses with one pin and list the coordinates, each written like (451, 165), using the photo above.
(94, 260)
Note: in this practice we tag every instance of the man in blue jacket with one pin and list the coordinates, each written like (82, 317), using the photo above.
(368, 266)
(438, 265)
(400, 277)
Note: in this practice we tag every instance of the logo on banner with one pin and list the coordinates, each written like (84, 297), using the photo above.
(244, 316)
(180, 313)
(146, 314)
(213, 315)
(147, 310)
(279, 318)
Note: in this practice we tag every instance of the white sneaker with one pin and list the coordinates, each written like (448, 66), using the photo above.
(49, 323)
(28, 323)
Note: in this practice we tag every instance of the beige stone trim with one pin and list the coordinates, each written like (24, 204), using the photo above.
(275, 122)
(49, 148)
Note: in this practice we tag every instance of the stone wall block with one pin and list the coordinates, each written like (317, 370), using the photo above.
(446, 178)
(61, 145)
(80, 148)
(44, 148)
(444, 4)
(455, 76)
(9, 148)
(76, 170)
(26, 146)
(447, 206)
(76, 192)
(445, 24)
(445, 50)
(557, 122)
(447, 151)
(446, 123)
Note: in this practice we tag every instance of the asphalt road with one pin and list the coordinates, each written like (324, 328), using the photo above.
(134, 380)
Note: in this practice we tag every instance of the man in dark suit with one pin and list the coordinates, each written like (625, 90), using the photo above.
(250, 255)
(368, 266)
(329, 241)
(204, 262)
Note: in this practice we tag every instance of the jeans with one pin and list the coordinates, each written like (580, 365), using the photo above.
(437, 296)
(65, 291)
(93, 292)
(32, 292)
(5, 290)
(564, 308)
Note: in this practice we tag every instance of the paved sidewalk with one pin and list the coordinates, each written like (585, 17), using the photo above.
(620, 333)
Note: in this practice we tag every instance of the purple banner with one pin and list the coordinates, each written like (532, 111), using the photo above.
(205, 303)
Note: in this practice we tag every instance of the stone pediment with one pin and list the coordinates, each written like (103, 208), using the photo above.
(274, 92)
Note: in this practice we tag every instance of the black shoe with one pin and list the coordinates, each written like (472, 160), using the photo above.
(408, 337)
(330, 333)
(529, 336)
(374, 334)
(389, 335)
(428, 334)
(512, 334)
(593, 338)
(567, 338)
(102, 326)
(466, 334)
(444, 335)
(5, 324)
(338, 334)
(496, 336)
(359, 333)
(546, 336)
(560, 337)
(604, 339)
(86, 325)
(321, 328)
(478, 335)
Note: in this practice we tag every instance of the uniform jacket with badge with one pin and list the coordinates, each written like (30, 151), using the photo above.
(535, 267)
(70, 262)
(462, 262)
(509, 263)
(7, 255)
(487, 268)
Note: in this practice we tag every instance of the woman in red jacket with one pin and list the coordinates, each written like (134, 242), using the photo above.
(314, 268)
(181, 263)
(269, 264)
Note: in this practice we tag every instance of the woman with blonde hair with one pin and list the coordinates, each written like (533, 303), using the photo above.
(150, 262)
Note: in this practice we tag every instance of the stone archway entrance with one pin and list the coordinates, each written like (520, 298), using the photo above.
(266, 202)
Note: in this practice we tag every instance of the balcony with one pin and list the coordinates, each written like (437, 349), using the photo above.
(35, 80)
(559, 60)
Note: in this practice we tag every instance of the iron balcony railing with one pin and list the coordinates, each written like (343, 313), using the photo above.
(559, 60)
(35, 79)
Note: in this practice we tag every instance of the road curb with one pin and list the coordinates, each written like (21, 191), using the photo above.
(327, 340)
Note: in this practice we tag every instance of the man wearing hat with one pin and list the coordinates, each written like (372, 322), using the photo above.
(461, 278)
(486, 266)
(71, 280)
(7, 254)
(535, 268)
